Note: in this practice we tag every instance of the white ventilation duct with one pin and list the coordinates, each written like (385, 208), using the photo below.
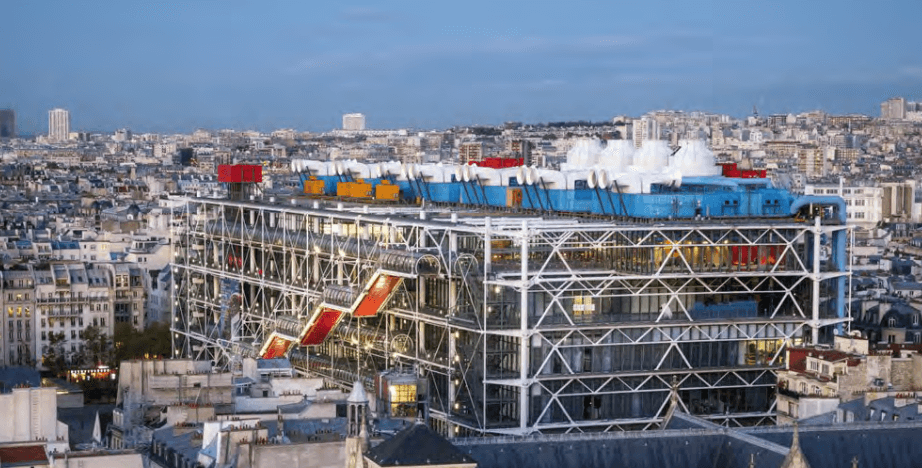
(461, 173)
(546, 178)
(355, 169)
(521, 175)
(434, 172)
(668, 177)
(583, 174)
(506, 174)
(618, 155)
(695, 159)
(390, 168)
(584, 153)
(316, 168)
(487, 175)
(594, 179)
(625, 182)
(653, 156)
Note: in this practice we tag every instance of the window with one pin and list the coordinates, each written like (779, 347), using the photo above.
(915, 319)
(803, 388)
(891, 322)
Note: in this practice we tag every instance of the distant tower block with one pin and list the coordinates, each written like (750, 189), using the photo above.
(58, 124)
(7, 123)
(354, 122)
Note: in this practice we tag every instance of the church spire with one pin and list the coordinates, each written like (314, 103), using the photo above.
(795, 457)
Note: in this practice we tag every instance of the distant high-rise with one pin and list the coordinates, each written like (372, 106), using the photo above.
(58, 124)
(893, 109)
(353, 121)
(645, 129)
(7, 123)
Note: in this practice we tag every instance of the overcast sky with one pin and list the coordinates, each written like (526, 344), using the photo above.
(432, 64)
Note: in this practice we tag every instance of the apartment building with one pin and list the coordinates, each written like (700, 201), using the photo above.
(18, 299)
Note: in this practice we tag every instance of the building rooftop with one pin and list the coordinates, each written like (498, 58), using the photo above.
(23, 455)
(418, 446)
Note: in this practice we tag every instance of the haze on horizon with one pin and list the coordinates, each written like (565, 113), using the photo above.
(287, 64)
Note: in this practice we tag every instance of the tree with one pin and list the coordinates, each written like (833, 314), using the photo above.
(53, 358)
(152, 342)
(97, 347)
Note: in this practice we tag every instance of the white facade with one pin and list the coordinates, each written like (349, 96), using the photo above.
(32, 414)
(58, 125)
(645, 129)
(868, 205)
(864, 205)
(354, 121)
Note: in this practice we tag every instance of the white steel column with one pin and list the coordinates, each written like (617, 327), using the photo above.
(815, 323)
(523, 336)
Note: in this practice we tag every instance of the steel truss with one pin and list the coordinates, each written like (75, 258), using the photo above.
(518, 324)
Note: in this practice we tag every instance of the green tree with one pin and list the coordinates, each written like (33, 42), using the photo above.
(97, 347)
(152, 342)
(53, 358)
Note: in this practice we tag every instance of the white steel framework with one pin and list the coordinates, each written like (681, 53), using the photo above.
(517, 324)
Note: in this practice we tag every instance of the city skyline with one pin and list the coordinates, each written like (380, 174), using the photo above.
(242, 65)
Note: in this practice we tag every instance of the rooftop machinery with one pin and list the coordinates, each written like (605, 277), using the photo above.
(515, 322)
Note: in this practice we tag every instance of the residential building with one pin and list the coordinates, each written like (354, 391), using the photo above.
(19, 341)
(893, 109)
(30, 414)
(58, 125)
(645, 129)
(354, 122)
(7, 123)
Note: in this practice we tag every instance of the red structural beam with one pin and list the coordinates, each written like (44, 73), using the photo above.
(378, 293)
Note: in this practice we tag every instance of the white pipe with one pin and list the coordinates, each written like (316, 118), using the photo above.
(583, 174)
(316, 168)
(671, 177)
(507, 173)
(389, 168)
(434, 172)
(547, 178)
(484, 175)
(521, 175)
(356, 169)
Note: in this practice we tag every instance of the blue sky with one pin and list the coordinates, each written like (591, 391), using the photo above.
(171, 66)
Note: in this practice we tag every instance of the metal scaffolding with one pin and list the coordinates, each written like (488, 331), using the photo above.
(516, 323)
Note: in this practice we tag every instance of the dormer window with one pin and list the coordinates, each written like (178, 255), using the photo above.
(915, 319)
(891, 322)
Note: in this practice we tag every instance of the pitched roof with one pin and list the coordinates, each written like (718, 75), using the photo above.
(417, 446)
(23, 455)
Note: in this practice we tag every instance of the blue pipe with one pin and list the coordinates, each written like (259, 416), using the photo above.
(827, 200)
(839, 241)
